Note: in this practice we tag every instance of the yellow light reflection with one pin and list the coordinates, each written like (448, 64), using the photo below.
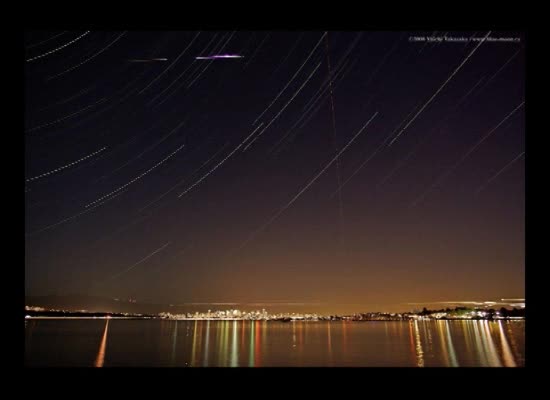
(454, 362)
(480, 348)
(493, 358)
(507, 353)
(257, 351)
(194, 345)
(419, 352)
(264, 336)
(206, 344)
(219, 336)
(411, 340)
(100, 359)
(174, 339)
(234, 348)
(251, 347)
(440, 328)
(513, 344)
(467, 335)
(243, 323)
(225, 342)
(429, 331)
(199, 336)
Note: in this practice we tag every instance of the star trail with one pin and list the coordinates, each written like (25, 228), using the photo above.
(205, 167)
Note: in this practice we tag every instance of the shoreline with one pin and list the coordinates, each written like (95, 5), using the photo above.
(275, 320)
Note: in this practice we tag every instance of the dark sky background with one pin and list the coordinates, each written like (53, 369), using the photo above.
(113, 137)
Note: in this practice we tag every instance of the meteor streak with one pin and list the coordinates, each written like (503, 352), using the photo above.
(207, 65)
(219, 56)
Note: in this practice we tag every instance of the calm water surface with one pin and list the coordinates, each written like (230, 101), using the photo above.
(162, 343)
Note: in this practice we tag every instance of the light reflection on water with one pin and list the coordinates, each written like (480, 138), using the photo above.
(100, 359)
(507, 352)
(260, 343)
(419, 352)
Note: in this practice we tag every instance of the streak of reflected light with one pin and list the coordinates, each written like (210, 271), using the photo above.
(194, 345)
(100, 359)
(257, 345)
(452, 352)
(411, 341)
(251, 346)
(174, 340)
(487, 338)
(234, 347)
(507, 353)
(206, 343)
(419, 352)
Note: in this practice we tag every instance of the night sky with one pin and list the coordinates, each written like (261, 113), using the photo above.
(333, 172)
